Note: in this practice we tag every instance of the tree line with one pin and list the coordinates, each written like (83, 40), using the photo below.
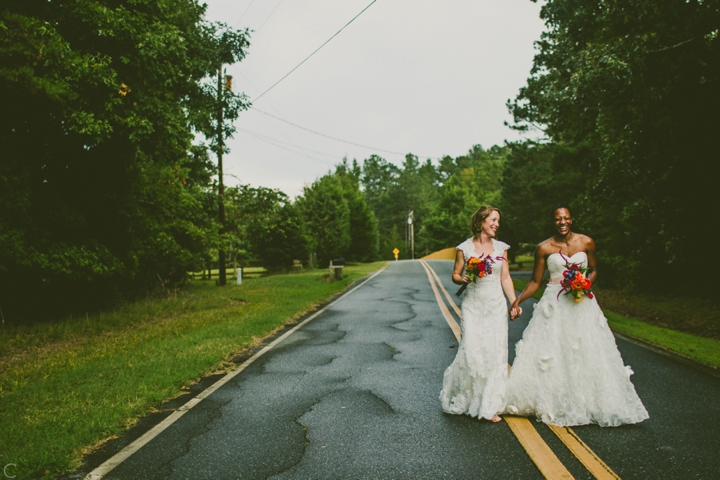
(359, 211)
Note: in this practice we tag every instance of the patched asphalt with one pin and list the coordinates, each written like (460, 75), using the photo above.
(354, 394)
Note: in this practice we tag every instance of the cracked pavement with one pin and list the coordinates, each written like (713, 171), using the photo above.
(354, 394)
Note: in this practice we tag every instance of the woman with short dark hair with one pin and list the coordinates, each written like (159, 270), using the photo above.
(568, 370)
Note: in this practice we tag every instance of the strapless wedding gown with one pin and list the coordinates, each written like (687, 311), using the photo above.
(568, 370)
(474, 384)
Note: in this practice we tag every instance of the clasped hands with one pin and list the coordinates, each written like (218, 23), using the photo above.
(515, 310)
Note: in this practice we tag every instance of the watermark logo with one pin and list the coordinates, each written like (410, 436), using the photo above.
(9, 470)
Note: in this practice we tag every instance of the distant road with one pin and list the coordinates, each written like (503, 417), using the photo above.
(354, 394)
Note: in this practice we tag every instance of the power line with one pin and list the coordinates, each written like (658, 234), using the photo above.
(316, 50)
(273, 142)
(268, 17)
(271, 139)
(278, 112)
(333, 138)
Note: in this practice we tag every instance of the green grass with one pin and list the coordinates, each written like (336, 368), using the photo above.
(66, 386)
(703, 350)
(521, 284)
(522, 262)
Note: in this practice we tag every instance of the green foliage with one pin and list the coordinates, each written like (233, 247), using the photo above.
(470, 181)
(536, 177)
(102, 194)
(327, 218)
(264, 223)
(393, 192)
(363, 228)
(635, 85)
(338, 219)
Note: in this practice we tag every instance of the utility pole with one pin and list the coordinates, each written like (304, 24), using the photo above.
(411, 227)
(222, 278)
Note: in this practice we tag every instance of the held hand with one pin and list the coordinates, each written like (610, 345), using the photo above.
(514, 310)
(465, 279)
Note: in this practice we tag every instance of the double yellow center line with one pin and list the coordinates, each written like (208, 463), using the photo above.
(540, 453)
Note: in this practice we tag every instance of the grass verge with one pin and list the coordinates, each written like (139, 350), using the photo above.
(67, 386)
(703, 350)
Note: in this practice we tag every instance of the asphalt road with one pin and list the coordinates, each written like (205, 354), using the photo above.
(354, 394)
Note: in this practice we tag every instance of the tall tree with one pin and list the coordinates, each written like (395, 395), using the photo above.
(263, 223)
(469, 181)
(638, 82)
(101, 192)
(327, 216)
(394, 192)
(363, 226)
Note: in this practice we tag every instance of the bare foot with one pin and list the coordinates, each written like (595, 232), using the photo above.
(496, 419)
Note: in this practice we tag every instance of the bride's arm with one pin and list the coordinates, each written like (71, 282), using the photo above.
(506, 279)
(592, 262)
(535, 281)
(458, 276)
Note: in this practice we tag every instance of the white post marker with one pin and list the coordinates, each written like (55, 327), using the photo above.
(239, 275)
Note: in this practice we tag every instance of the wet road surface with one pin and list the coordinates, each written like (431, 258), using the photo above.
(354, 394)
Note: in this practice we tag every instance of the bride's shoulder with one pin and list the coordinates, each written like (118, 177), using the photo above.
(545, 248)
(463, 245)
(587, 242)
(498, 245)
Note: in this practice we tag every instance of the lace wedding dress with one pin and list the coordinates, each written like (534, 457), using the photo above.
(568, 370)
(474, 384)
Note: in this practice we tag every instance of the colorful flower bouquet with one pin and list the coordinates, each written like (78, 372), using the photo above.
(478, 268)
(574, 282)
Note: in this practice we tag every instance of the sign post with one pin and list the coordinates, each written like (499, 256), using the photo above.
(396, 252)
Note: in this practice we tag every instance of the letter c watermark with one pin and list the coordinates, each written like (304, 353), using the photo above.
(5, 470)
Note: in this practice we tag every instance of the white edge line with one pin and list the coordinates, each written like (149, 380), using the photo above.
(126, 452)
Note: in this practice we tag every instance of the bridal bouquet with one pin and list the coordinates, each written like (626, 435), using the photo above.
(478, 268)
(574, 282)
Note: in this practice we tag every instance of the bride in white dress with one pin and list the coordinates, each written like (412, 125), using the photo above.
(568, 370)
(474, 384)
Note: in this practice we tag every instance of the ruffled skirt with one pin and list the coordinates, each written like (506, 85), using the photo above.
(474, 384)
(568, 370)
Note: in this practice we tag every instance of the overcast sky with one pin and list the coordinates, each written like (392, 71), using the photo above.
(429, 77)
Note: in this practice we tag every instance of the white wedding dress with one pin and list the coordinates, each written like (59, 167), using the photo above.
(474, 384)
(568, 370)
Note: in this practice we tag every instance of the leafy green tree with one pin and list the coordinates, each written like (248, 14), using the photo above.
(327, 218)
(469, 181)
(393, 192)
(102, 194)
(363, 224)
(392, 241)
(379, 178)
(264, 223)
(637, 83)
(536, 177)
